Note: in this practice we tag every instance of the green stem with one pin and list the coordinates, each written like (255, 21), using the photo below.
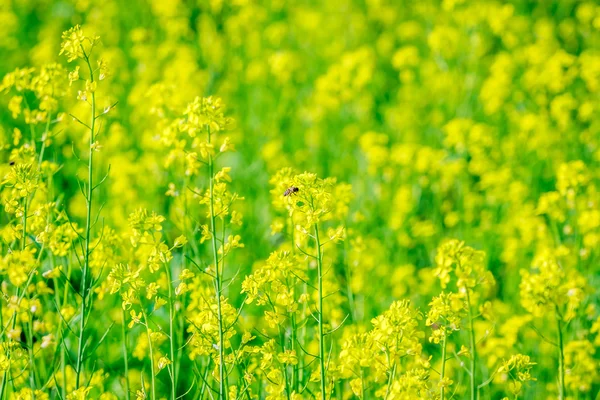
(171, 334)
(390, 379)
(473, 350)
(561, 359)
(283, 366)
(24, 222)
(41, 157)
(362, 383)
(61, 331)
(63, 361)
(153, 379)
(125, 354)
(321, 335)
(181, 317)
(204, 385)
(32, 381)
(443, 370)
(294, 345)
(294, 338)
(88, 228)
(218, 281)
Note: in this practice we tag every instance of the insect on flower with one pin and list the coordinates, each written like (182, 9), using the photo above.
(291, 190)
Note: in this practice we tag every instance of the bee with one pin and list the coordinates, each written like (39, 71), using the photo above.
(291, 190)
(11, 163)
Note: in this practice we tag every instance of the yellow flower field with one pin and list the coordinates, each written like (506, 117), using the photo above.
(284, 200)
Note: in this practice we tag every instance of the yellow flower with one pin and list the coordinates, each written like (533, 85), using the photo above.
(74, 75)
(136, 318)
(223, 175)
(75, 44)
(163, 362)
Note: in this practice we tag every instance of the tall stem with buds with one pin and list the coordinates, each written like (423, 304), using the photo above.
(171, 333)
(443, 369)
(320, 294)
(88, 229)
(218, 281)
(152, 372)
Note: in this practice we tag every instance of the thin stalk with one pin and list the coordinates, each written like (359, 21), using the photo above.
(561, 359)
(294, 345)
(24, 222)
(284, 367)
(296, 368)
(443, 370)
(362, 383)
(321, 335)
(181, 339)
(181, 320)
(30, 333)
(390, 379)
(302, 339)
(88, 228)
(218, 278)
(61, 301)
(63, 349)
(204, 380)
(153, 379)
(41, 157)
(472, 349)
(125, 354)
(171, 334)
(32, 381)
(60, 334)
